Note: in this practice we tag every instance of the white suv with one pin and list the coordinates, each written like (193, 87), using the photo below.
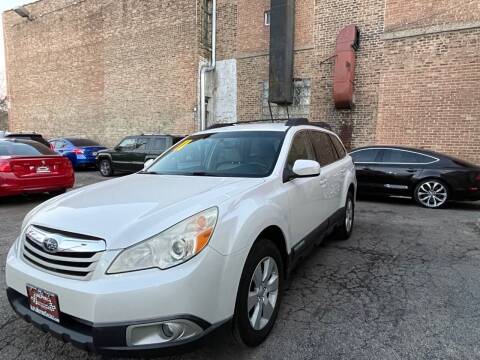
(201, 239)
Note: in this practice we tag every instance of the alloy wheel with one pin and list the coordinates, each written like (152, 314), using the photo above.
(349, 215)
(263, 293)
(432, 194)
(105, 167)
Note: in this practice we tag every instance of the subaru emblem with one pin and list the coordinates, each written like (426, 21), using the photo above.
(51, 245)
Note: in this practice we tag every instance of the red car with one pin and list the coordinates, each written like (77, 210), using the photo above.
(29, 167)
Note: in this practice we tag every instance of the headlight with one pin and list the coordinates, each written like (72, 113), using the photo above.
(171, 247)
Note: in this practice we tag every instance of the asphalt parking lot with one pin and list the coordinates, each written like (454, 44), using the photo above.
(405, 286)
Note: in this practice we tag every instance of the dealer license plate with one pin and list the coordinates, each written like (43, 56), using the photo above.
(44, 303)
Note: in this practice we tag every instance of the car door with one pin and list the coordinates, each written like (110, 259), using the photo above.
(304, 194)
(122, 153)
(399, 168)
(368, 169)
(332, 171)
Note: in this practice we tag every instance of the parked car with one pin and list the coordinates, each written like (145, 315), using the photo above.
(430, 177)
(132, 152)
(81, 152)
(27, 166)
(202, 239)
(24, 135)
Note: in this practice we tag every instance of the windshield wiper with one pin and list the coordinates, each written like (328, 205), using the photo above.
(199, 173)
(149, 173)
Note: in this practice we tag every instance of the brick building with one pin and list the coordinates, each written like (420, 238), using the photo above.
(107, 68)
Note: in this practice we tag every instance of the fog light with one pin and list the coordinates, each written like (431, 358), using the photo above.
(161, 332)
(172, 331)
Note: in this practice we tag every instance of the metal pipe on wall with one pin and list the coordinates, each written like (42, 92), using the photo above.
(208, 68)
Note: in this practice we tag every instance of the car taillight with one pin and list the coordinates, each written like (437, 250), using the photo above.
(5, 166)
(52, 147)
(477, 178)
(78, 151)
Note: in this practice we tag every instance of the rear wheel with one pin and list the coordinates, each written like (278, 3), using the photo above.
(431, 193)
(259, 293)
(105, 167)
(345, 228)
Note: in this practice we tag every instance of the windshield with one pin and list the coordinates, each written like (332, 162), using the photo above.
(234, 154)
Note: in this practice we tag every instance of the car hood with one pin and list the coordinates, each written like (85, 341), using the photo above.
(133, 208)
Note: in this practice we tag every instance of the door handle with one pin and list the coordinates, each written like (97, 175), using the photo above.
(411, 170)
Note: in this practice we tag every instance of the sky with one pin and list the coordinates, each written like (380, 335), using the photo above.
(6, 5)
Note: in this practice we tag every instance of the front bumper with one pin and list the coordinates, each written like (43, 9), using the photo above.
(95, 313)
(110, 339)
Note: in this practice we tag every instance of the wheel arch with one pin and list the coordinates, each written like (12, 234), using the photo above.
(104, 156)
(431, 177)
(276, 235)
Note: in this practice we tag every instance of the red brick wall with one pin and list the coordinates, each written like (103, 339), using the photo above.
(429, 93)
(103, 69)
(401, 14)
(106, 69)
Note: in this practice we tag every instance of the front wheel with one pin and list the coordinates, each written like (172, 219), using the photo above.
(431, 193)
(259, 293)
(105, 167)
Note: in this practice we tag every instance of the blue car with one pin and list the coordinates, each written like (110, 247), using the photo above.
(81, 152)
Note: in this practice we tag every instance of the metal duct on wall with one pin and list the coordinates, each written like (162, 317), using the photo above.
(282, 31)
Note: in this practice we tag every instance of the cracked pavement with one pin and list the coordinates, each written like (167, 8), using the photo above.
(405, 286)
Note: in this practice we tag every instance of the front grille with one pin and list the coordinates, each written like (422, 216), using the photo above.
(75, 258)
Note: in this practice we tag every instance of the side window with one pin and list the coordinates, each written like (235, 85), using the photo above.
(301, 149)
(158, 144)
(141, 145)
(365, 156)
(405, 157)
(338, 146)
(127, 144)
(324, 149)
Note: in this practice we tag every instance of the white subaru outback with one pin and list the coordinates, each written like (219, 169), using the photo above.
(201, 239)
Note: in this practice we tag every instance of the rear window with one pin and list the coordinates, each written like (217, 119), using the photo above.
(83, 142)
(10, 148)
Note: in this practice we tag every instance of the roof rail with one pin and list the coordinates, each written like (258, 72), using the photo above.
(322, 124)
(288, 122)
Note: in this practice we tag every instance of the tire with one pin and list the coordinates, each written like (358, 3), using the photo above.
(105, 167)
(431, 193)
(249, 329)
(345, 228)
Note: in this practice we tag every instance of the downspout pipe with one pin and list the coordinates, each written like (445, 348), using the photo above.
(208, 68)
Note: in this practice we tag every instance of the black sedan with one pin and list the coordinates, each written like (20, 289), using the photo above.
(429, 177)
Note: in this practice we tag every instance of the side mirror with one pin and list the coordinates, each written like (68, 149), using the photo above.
(306, 168)
(148, 163)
